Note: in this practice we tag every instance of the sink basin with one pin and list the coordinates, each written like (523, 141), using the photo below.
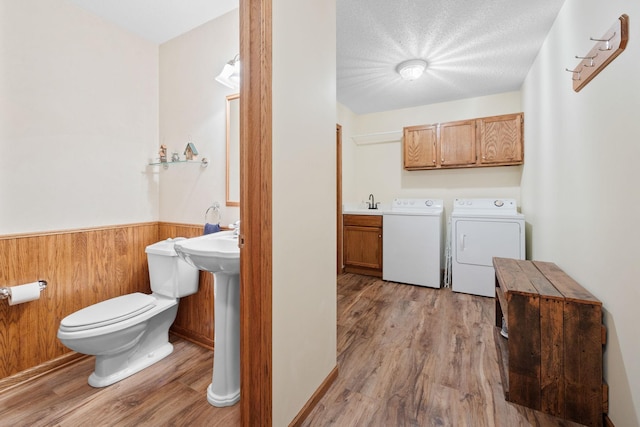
(212, 252)
(218, 253)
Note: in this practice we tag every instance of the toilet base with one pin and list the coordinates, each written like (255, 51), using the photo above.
(136, 366)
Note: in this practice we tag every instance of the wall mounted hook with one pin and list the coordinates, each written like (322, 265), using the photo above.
(590, 58)
(607, 41)
(575, 72)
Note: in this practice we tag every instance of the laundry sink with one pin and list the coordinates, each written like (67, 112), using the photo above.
(219, 254)
(212, 252)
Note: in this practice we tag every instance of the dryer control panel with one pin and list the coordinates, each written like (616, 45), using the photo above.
(490, 206)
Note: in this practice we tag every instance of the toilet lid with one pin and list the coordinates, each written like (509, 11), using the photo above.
(108, 312)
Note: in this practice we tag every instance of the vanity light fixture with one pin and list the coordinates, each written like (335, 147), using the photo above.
(411, 69)
(230, 75)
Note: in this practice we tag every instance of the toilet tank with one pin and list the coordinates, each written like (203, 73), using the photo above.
(169, 275)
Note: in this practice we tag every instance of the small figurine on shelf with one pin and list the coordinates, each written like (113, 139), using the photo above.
(175, 157)
(190, 152)
(163, 153)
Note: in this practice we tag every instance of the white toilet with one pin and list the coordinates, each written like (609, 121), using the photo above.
(131, 332)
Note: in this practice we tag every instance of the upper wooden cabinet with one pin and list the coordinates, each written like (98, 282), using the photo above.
(420, 146)
(500, 139)
(487, 141)
(458, 143)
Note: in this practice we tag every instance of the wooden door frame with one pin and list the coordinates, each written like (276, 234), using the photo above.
(339, 197)
(256, 401)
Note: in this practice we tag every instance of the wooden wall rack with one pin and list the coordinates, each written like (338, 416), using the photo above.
(606, 49)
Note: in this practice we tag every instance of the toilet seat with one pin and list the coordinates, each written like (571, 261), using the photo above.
(108, 312)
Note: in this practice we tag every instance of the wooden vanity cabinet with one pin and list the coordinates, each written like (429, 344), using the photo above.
(420, 147)
(362, 237)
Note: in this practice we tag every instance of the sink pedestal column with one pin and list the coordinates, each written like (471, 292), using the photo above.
(224, 389)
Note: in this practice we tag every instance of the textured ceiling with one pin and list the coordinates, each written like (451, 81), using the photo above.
(473, 47)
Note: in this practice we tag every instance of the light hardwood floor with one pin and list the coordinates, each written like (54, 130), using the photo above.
(413, 356)
(170, 393)
(407, 356)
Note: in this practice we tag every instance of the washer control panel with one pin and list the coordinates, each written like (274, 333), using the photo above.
(416, 204)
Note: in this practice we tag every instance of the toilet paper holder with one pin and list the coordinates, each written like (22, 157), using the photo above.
(6, 291)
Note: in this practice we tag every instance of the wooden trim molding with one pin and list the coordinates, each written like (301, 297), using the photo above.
(255, 214)
(315, 398)
(339, 224)
(37, 371)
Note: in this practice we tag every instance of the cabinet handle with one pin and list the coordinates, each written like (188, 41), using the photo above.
(462, 238)
(380, 235)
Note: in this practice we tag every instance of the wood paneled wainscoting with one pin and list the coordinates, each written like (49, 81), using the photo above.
(82, 267)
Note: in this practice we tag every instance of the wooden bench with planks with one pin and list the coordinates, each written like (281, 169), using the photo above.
(552, 358)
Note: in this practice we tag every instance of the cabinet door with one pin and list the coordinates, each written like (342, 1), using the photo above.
(458, 143)
(419, 144)
(363, 247)
(501, 139)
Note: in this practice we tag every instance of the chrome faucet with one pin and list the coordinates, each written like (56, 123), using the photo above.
(372, 203)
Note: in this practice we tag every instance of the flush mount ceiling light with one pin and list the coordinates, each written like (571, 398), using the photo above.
(230, 75)
(411, 69)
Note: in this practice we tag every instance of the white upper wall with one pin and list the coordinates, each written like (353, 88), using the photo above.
(304, 202)
(79, 121)
(193, 108)
(377, 168)
(580, 176)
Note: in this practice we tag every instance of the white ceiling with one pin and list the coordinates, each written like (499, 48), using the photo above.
(158, 20)
(473, 47)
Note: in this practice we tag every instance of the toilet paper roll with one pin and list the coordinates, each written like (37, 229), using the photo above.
(24, 293)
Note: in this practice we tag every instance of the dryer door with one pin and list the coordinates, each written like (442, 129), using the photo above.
(478, 241)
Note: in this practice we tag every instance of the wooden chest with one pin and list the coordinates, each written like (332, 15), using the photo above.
(552, 359)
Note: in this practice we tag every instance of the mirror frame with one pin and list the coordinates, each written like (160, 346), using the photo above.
(233, 161)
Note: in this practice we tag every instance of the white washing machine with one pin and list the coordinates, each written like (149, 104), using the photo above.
(412, 242)
(480, 230)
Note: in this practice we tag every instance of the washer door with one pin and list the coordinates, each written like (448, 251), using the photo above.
(478, 241)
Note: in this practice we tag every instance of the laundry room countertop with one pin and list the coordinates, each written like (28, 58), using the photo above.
(362, 209)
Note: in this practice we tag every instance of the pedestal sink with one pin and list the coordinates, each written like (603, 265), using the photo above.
(219, 254)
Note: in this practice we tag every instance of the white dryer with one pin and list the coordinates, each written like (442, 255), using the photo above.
(480, 230)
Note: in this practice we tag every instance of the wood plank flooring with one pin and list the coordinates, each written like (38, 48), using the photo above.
(413, 356)
(407, 356)
(170, 393)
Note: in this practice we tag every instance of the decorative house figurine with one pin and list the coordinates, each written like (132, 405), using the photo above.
(163, 153)
(190, 152)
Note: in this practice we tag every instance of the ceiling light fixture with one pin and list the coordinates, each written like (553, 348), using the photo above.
(230, 74)
(411, 69)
